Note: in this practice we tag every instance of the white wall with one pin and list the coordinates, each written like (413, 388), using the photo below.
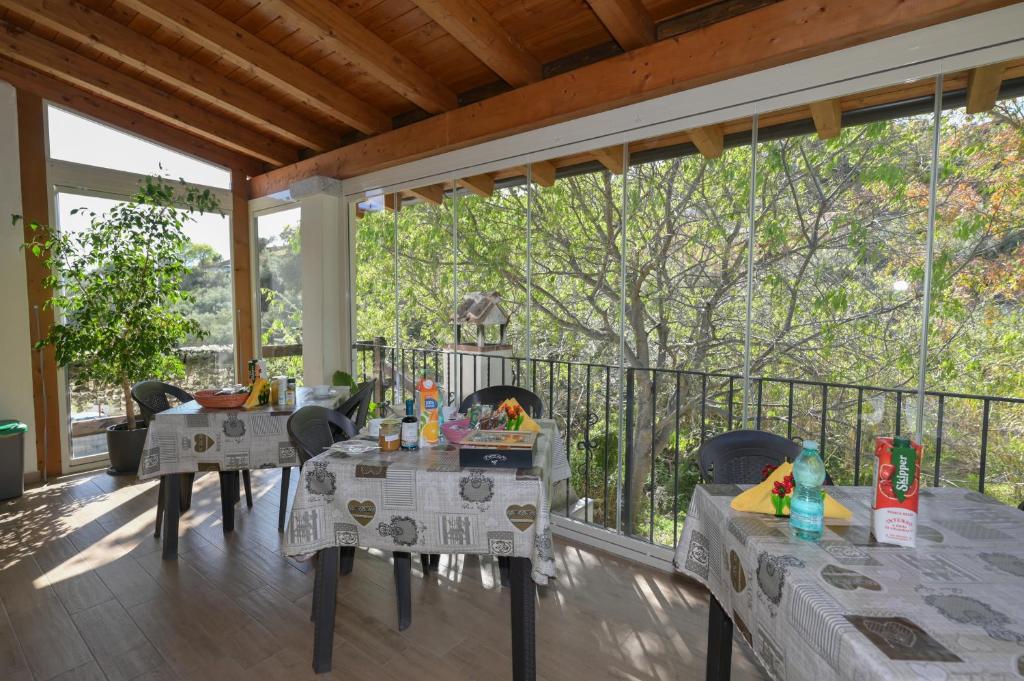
(15, 348)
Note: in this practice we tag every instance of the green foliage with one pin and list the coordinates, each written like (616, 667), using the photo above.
(118, 287)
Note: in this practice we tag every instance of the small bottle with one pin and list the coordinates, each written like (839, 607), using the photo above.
(290, 394)
(807, 507)
(410, 428)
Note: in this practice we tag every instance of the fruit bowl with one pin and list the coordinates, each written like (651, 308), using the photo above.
(211, 400)
(456, 431)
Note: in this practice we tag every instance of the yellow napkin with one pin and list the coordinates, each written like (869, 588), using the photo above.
(757, 499)
(528, 423)
(254, 394)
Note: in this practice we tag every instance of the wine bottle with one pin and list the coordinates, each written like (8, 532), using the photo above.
(410, 428)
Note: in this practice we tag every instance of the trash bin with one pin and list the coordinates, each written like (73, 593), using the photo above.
(12, 459)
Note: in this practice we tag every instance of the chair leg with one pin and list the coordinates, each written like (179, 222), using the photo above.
(324, 604)
(172, 511)
(719, 660)
(348, 557)
(524, 638)
(286, 475)
(403, 588)
(425, 562)
(435, 560)
(247, 481)
(228, 493)
(504, 565)
(187, 482)
(160, 506)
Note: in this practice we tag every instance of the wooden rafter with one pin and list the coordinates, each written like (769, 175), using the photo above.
(361, 46)
(231, 42)
(89, 27)
(543, 173)
(87, 104)
(983, 85)
(828, 118)
(433, 193)
(627, 21)
(709, 140)
(473, 26)
(611, 158)
(481, 185)
(31, 50)
(776, 34)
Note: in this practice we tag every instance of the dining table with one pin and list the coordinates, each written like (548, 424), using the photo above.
(850, 608)
(190, 437)
(355, 495)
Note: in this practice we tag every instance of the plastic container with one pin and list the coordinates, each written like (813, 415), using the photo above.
(807, 506)
(12, 459)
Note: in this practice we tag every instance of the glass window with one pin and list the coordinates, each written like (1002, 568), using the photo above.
(280, 281)
(206, 362)
(80, 140)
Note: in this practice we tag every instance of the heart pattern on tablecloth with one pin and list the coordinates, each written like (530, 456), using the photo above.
(522, 517)
(203, 442)
(362, 511)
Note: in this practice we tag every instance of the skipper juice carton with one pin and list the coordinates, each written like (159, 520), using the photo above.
(896, 491)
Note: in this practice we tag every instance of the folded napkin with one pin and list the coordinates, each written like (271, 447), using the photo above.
(758, 499)
(526, 423)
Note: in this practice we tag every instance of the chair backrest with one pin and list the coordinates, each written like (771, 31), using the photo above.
(357, 407)
(495, 394)
(151, 396)
(739, 456)
(314, 428)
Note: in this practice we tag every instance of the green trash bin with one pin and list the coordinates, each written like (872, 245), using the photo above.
(12, 459)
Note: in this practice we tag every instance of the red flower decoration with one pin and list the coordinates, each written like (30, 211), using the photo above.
(767, 470)
(789, 482)
(779, 489)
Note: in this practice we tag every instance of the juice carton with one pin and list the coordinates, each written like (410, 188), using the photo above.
(429, 395)
(897, 483)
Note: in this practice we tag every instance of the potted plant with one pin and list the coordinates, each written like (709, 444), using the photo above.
(118, 287)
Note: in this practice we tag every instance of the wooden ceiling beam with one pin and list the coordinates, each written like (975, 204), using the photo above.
(828, 118)
(983, 85)
(473, 26)
(481, 185)
(433, 194)
(75, 99)
(611, 158)
(115, 40)
(52, 59)
(773, 35)
(709, 140)
(627, 20)
(233, 43)
(357, 44)
(543, 173)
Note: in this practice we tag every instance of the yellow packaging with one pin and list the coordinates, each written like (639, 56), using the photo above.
(429, 395)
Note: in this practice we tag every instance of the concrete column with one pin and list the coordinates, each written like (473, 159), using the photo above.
(326, 276)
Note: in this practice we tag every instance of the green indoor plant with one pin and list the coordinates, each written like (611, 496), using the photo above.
(118, 289)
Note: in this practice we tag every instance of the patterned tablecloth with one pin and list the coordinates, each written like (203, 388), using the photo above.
(181, 438)
(849, 608)
(424, 502)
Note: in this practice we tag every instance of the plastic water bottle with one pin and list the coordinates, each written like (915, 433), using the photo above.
(807, 506)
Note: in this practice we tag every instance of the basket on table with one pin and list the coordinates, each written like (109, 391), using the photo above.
(212, 400)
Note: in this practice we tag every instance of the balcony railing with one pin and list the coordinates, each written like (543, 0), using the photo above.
(666, 414)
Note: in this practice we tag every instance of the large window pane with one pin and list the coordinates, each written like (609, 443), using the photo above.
(205, 362)
(280, 282)
(838, 277)
(977, 308)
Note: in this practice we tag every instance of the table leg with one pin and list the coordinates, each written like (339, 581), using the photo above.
(325, 593)
(286, 475)
(524, 652)
(403, 588)
(247, 483)
(228, 496)
(172, 510)
(719, 664)
(504, 564)
(348, 558)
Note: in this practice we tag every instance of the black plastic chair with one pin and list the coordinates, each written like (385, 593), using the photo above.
(357, 406)
(739, 456)
(312, 429)
(152, 398)
(496, 394)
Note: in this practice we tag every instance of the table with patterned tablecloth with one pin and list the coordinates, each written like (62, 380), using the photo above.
(423, 501)
(847, 607)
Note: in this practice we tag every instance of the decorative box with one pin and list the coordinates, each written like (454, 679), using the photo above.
(497, 449)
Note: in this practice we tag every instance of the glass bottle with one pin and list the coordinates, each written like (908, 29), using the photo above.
(410, 428)
(807, 507)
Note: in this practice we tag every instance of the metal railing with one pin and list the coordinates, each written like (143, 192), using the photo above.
(666, 414)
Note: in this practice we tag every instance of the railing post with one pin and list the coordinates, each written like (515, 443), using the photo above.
(378, 369)
(627, 464)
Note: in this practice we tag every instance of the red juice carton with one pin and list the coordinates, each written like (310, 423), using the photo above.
(896, 492)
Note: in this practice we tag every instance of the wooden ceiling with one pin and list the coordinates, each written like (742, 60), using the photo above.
(262, 84)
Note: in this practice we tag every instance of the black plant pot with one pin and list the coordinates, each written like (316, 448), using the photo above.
(125, 448)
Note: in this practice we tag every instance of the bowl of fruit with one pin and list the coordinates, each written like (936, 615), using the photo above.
(224, 398)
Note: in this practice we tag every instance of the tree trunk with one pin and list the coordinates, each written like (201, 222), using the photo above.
(129, 406)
